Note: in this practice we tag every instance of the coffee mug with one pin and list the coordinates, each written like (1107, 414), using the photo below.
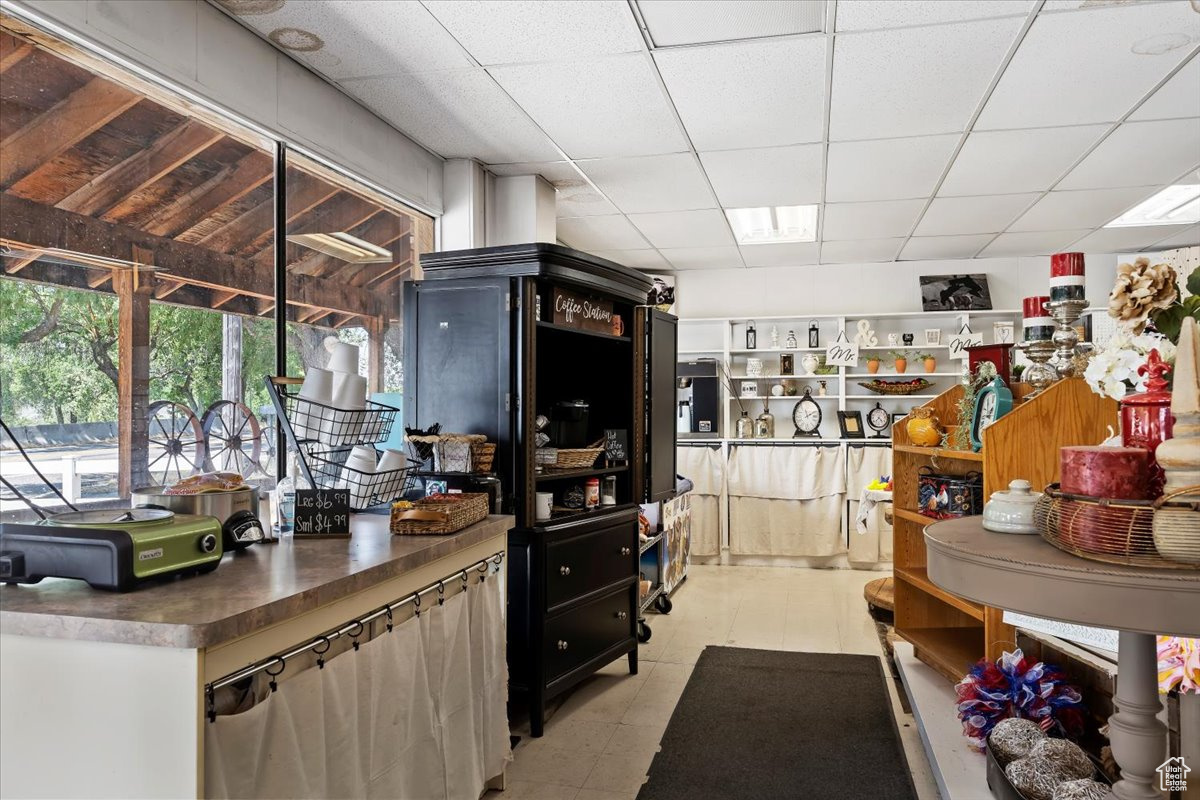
(618, 325)
(543, 506)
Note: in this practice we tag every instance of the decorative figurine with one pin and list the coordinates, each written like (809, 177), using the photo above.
(774, 337)
(791, 343)
(908, 339)
(822, 390)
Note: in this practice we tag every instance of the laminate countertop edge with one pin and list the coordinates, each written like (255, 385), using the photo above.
(251, 590)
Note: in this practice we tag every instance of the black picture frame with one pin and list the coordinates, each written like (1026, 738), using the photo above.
(898, 415)
(851, 423)
(955, 293)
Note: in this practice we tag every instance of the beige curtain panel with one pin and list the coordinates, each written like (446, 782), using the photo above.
(705, 467)
(863, 465)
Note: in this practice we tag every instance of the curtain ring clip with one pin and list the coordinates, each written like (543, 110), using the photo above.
(441, 587)
(465, 579)
(211, 703)
(321, 653)
(282, 665)
(417, 604)
(388, 612)
(356, 631)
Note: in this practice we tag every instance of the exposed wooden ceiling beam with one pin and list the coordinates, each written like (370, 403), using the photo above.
(228, 186)
(309, 314)
(23, 222)
(14, 264)
(166, 288)
(220, 298)
(96, 281)
(12, 51)
(167, 153)
(303, 193)
(84, 111)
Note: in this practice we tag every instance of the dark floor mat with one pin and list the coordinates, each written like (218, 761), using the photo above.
(762, 725)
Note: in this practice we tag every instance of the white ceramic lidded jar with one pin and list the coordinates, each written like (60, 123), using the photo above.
(1012, 511)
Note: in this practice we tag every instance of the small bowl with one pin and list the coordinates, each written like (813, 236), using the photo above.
(1011, 511)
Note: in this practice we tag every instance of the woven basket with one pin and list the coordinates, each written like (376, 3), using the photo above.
(895, 387)
(577, 458)
(439, 514)
(452, 452)
(483, 455)
(1112, 531)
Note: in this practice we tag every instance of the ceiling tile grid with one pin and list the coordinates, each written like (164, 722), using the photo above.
(650, 116)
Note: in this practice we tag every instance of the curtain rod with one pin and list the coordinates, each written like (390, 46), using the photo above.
(354, 627)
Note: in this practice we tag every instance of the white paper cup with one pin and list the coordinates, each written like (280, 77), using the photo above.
(318, 385)
(543, 505)
(349, 391)
(343, 357)
(362, 458)
(391, 460)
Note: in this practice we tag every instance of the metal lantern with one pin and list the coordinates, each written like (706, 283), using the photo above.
(751, 336)
(814, 334)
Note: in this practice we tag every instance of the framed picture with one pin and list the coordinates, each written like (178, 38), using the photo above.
(787, 364)
(955, 293)
(1002, 332)
(749, 388)
(898, 415)
(851, 424)
(933, 336)
(662, 294)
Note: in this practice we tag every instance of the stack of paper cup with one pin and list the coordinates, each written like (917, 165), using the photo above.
(389, 461)
(359, 474)
(318, 388)
(349, 395)
(343, 357)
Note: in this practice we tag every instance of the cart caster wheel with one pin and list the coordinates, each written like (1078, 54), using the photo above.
(643, 632)
(663, 604)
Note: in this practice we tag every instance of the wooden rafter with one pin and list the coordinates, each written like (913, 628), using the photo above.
(24, 221)
(220, 298)
(166, 288)
(303, 193)
(228, 186)
(167, 153)
(59, 128)
(96, 281)
(12, 52)
(14, 264)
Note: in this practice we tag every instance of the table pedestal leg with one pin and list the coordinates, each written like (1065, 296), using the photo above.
(1139, 739)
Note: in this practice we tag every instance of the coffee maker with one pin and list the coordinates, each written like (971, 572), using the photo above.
(698, 396)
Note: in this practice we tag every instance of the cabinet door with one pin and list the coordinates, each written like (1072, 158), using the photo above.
(458, 359)
(661, 358)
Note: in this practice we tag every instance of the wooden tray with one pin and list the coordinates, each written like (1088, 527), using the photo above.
(439, 514)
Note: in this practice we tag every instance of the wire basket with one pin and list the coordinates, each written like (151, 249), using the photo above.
(337, 427)
(451, 452)
(367, 489)
(1112, 531)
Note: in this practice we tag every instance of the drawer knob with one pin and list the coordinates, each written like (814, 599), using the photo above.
(564, 571)
(562, 644)
(622, 615)
(626, 551)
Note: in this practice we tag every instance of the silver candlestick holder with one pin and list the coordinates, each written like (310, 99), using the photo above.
(1040, 374)
(1065, 314)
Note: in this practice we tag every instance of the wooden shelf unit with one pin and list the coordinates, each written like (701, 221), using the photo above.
(950, 633)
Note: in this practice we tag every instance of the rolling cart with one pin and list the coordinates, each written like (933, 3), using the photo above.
(666, 554)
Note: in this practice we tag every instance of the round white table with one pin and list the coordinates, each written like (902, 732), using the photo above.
(1024, 573)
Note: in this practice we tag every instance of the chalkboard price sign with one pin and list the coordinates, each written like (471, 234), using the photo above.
(616, 445)
(322, 512)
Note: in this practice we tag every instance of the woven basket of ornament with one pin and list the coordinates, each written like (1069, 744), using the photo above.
(1112, 531)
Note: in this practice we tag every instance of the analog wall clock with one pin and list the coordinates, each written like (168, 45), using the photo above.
(806, 416)
(992, 402)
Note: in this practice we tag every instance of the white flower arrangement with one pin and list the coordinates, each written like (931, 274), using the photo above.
(1113, 371)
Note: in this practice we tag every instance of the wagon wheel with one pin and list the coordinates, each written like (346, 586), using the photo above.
(175, 442)
(234, 438)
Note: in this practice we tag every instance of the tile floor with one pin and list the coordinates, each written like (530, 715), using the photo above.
(601, 737)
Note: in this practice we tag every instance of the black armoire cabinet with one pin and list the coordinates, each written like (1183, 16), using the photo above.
(495, 337)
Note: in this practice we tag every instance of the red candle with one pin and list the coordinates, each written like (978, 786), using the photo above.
(1116, 473)
(1066, 276)
(1036, 321)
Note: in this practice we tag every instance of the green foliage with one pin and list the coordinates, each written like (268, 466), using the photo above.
(1193, 282)
(1169, 321)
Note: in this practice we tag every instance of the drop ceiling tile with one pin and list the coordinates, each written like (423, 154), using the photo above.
(600, 233)
(651, 183)
(748, 94)
(856, 15)
(675, 22)
(596, 107)
(922, 248)
(575, 196)
(703, 257)
(1138, 154)
(1188, 237)
(921, 80)
(638, 259)
(1083, 209)
(1003, 162)
(768, 176)
(1030, 244)
(457, 114)
(1080, 68)
(791, 254)
(1178, 97)
(886, 169)
(512, 31)
(863, 251)
(366, 39)
(1124, 240)
(877, 220)
(672, 229)
(951, 216)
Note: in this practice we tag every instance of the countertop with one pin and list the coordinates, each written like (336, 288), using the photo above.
(252, 589)
(1023, 573)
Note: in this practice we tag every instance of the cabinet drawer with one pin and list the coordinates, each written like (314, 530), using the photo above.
(590, 561)
(584, 632)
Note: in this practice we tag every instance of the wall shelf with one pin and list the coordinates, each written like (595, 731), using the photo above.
(567, 474)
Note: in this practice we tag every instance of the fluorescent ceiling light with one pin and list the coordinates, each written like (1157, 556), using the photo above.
(343, 246)
(769, 225)
(1174, 205)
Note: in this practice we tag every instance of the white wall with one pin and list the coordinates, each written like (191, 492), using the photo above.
(865, 288)
(199, 48)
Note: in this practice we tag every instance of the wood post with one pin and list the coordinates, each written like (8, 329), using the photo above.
(231, 357)
(1139, 738)
(376, 327)
(134, 288)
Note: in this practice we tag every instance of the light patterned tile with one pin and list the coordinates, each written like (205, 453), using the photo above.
(634, 739)
(552, 765)
(619, 773)
(528, 790)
